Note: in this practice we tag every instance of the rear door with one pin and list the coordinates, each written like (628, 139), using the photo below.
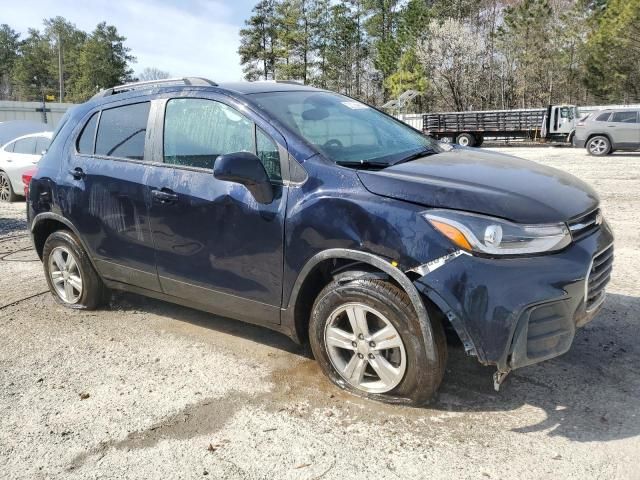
(108, 199)
(217, 246)
(625, 129)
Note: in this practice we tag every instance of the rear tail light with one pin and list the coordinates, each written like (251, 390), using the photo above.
(26, 180)
(580, 124)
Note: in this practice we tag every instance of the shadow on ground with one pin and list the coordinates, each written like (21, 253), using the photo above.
(589, 394)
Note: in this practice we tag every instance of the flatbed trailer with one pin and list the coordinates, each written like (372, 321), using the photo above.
(554, 123)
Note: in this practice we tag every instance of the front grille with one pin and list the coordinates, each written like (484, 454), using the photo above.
(585, 224)
(598, 277)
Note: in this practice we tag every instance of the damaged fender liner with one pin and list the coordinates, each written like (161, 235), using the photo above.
(456, 323)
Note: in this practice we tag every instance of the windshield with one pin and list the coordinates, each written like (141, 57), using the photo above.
(344, 130)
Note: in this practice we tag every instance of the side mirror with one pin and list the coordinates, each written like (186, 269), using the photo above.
(247, 169)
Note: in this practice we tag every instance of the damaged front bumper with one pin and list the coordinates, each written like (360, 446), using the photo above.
(513, 312)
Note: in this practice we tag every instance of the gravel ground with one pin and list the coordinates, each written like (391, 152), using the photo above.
(146, 389)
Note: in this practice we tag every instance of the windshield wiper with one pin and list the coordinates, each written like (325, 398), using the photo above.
(362, 164)
(425, 152)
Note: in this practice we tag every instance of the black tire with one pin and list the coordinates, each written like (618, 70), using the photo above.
(425, 364)
(93, 293)
(598, 146)
(6, 190)
(466, 140)
(479, 140)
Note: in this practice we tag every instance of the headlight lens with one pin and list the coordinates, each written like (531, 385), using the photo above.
(494, 236)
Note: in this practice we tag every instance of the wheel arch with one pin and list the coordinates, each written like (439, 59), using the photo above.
(606, 135)
(312, 278)
(45, 223)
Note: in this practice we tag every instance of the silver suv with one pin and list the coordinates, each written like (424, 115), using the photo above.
(605, 131)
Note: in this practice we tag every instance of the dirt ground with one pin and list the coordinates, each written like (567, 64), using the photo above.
(147, 389)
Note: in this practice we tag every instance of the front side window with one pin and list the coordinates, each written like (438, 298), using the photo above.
(25, 145)
(625, 117)
(122, 131)
(342, 129)
(197, 131)
(85, 140)
(268, 153)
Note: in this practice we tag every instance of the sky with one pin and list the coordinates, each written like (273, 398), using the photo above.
(184, 38)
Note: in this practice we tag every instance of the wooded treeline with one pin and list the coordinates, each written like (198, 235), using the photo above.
(29, 66)
(459, 54)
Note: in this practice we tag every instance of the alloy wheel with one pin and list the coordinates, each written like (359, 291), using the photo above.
(365, 348)
(65, 275)
(598, 146)
(5, 188)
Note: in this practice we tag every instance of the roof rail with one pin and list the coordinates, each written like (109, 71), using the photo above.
(127, 87)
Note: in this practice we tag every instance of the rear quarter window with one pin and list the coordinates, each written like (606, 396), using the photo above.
(603, 117)
(84, 143)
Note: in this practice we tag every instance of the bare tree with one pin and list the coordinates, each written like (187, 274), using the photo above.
(449, 52)
(153, 73)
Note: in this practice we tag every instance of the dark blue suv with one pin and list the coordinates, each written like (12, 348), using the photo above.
(323, 218)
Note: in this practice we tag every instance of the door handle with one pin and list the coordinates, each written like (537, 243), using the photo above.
(164, 196)
(77, 173)
(611, 126)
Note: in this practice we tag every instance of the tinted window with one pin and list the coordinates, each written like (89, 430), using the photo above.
(196, 131)
(25, 145)
(122, 131)
(85, 140)
(41, 145)
(603, 117)
(625, 117)
(268, 153)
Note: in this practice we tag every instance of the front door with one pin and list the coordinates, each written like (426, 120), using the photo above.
(108, 195)
(216, 245)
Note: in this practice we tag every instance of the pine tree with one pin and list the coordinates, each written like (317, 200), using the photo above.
(9, 44)
(258, 42)
(612, 64)
(103, 62)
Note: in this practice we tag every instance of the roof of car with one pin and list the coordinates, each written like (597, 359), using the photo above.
(264, 86)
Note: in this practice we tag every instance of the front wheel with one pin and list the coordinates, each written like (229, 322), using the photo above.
(599, 146)
(367, 339)
(72, 279)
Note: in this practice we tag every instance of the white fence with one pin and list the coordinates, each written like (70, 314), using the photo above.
(33, 111)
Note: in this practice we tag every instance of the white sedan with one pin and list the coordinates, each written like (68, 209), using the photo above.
(16, 157)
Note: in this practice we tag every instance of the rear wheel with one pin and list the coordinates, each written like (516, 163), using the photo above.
(599, 146)
(479, 140)
(466, 140)
(367, 339)
(6, 190)
(72, 279)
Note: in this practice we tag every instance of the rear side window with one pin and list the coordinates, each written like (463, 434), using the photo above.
(197, 131)
(85, 140)
(625, 117)
(9, 148)
(41, 145)
(25, 145)
(603, 117)
(122, 131)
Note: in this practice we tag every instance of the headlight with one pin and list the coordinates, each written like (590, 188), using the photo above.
(494, 236)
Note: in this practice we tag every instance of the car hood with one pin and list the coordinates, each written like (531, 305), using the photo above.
(488, 183)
